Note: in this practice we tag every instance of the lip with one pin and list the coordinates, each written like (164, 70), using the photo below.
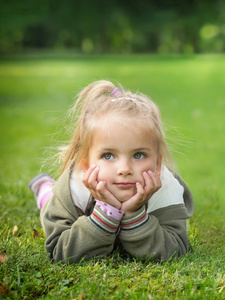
(125, 185)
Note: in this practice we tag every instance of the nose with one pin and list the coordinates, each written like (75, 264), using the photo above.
(124, 168)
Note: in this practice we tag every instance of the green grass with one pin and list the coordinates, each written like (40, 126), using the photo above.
(35, 93)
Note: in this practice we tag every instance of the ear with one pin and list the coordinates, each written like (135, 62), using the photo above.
(84, 165)
(159, 164)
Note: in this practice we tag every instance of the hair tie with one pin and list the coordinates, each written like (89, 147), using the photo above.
(123, 98)
(115, 92)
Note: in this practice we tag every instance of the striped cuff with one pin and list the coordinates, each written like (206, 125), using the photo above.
(104, 222)
(110, 210)
(136, 220)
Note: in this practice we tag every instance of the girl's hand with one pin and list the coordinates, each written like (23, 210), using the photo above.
(99, 189)
(152, 184)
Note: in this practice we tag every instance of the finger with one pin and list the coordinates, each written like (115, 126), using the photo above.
(156, 181)
(93, 190)
(92, 180)
(139, 194)
(103, 191)
(135, 202)
(106, 196)
(140, 189)
(88, 173)
(148, 180)
(101, 186)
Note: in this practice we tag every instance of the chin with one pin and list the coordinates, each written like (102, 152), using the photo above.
(124, 198)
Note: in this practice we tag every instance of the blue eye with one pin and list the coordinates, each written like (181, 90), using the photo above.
(139, 155)
(107, 156)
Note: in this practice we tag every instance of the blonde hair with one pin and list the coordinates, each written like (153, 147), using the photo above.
(95, 101)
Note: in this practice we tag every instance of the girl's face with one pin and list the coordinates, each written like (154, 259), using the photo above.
(122, 156)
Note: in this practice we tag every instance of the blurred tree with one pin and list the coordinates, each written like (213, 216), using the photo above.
(113, 26)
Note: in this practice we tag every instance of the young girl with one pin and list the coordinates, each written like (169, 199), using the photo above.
(114, 190)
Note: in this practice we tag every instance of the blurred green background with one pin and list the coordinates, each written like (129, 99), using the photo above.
(103, 26)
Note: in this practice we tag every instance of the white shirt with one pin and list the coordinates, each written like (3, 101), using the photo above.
(170, 193)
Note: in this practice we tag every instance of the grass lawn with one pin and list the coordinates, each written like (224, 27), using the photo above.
(35, 93)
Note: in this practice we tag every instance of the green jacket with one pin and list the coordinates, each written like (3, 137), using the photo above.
(72, 235)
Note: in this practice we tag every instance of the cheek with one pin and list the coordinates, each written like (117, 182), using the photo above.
(103, 173)
(146, 166)
(152, 165)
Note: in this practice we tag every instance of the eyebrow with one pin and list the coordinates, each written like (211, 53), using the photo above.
(142, 149)
(106, 149)
(133, 150)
